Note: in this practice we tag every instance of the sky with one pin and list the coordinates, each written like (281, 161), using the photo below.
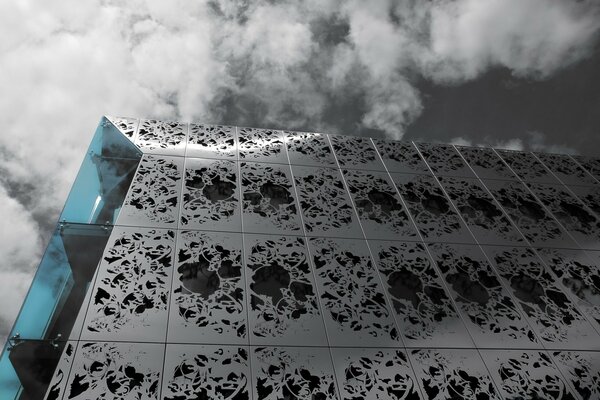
(519, 74)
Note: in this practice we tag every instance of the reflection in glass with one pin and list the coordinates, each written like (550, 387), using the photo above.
(50, 309)
(103, 179)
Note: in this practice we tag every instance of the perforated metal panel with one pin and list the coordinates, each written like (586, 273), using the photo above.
(268, 264)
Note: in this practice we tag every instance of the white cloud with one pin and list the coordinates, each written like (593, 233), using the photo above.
(20, 252)
(510, 144)
(537, 142)
(530, 37)
(461, 141)
(532, 141)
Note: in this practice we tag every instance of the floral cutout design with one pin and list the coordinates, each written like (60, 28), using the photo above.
(132, 288)
(162, 137)
(453, 374)
(401, 157)
(534, 222)
(431, 210)
(377, 374)
(206, 372)
(153, 199)
(566, 169)
(353, 303)
(211, 196)
(212, 141)
(527, 166)
(115, 371)
(482, 214)
(580, 369)
(379, 208)
(261, 145)
(355, 152)
(550, 312)
(526, 375)
(589, 195)
(208, 303)
(283, 300)
(325, 203)
(579, 274)
(292, 373)
(590, 164)
(572, 214)
(486, 163)
(423, 308)
(312, 149)
(127, 126)
(269, 199)
(444, 160)
(58, 384)
(491, 315)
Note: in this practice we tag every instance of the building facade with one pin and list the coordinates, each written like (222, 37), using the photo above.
(216, 262)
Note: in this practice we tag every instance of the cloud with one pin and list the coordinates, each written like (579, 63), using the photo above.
(537, 142)
(293, 64)
(532, 141)
(20, 253)
(532, 38)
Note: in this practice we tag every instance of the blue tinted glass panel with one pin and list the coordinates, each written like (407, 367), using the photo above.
(61, 282)
(103, 179)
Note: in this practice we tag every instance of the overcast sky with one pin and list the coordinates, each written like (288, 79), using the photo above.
(521, 74)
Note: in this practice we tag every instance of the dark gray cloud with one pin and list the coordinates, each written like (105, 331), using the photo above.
(476, 71)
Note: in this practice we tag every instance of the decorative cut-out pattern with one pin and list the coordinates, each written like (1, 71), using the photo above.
(263, 145)
(483, 215)
(401, 157)
(325, 203)
(208, 303)
(311, 149)
(58, 384)
(589, 195)
(153, 199)
(211, 141)
(580, 274)
(292, 373)
(423, 309)
(127, 126)
(486, 163)
(352, 299)
(355, 152)
(269, 199)
(534, 222)
(444, 160)
(206, 372)
(571, 213)
(115, 371)
(283, 300)
(590, 164)
(453, 374)
(132, 288)
(162, 137)
(432, 211)
(381, 211)
(527, 167)
(211, 196)
(582, 370)
(526, 375)
(491, 315)
(375, 374)
(550, 312)
(566, 169)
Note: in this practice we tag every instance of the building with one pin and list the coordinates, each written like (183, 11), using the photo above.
(214, 262)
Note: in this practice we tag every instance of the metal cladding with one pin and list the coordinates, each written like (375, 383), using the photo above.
(243, 263)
